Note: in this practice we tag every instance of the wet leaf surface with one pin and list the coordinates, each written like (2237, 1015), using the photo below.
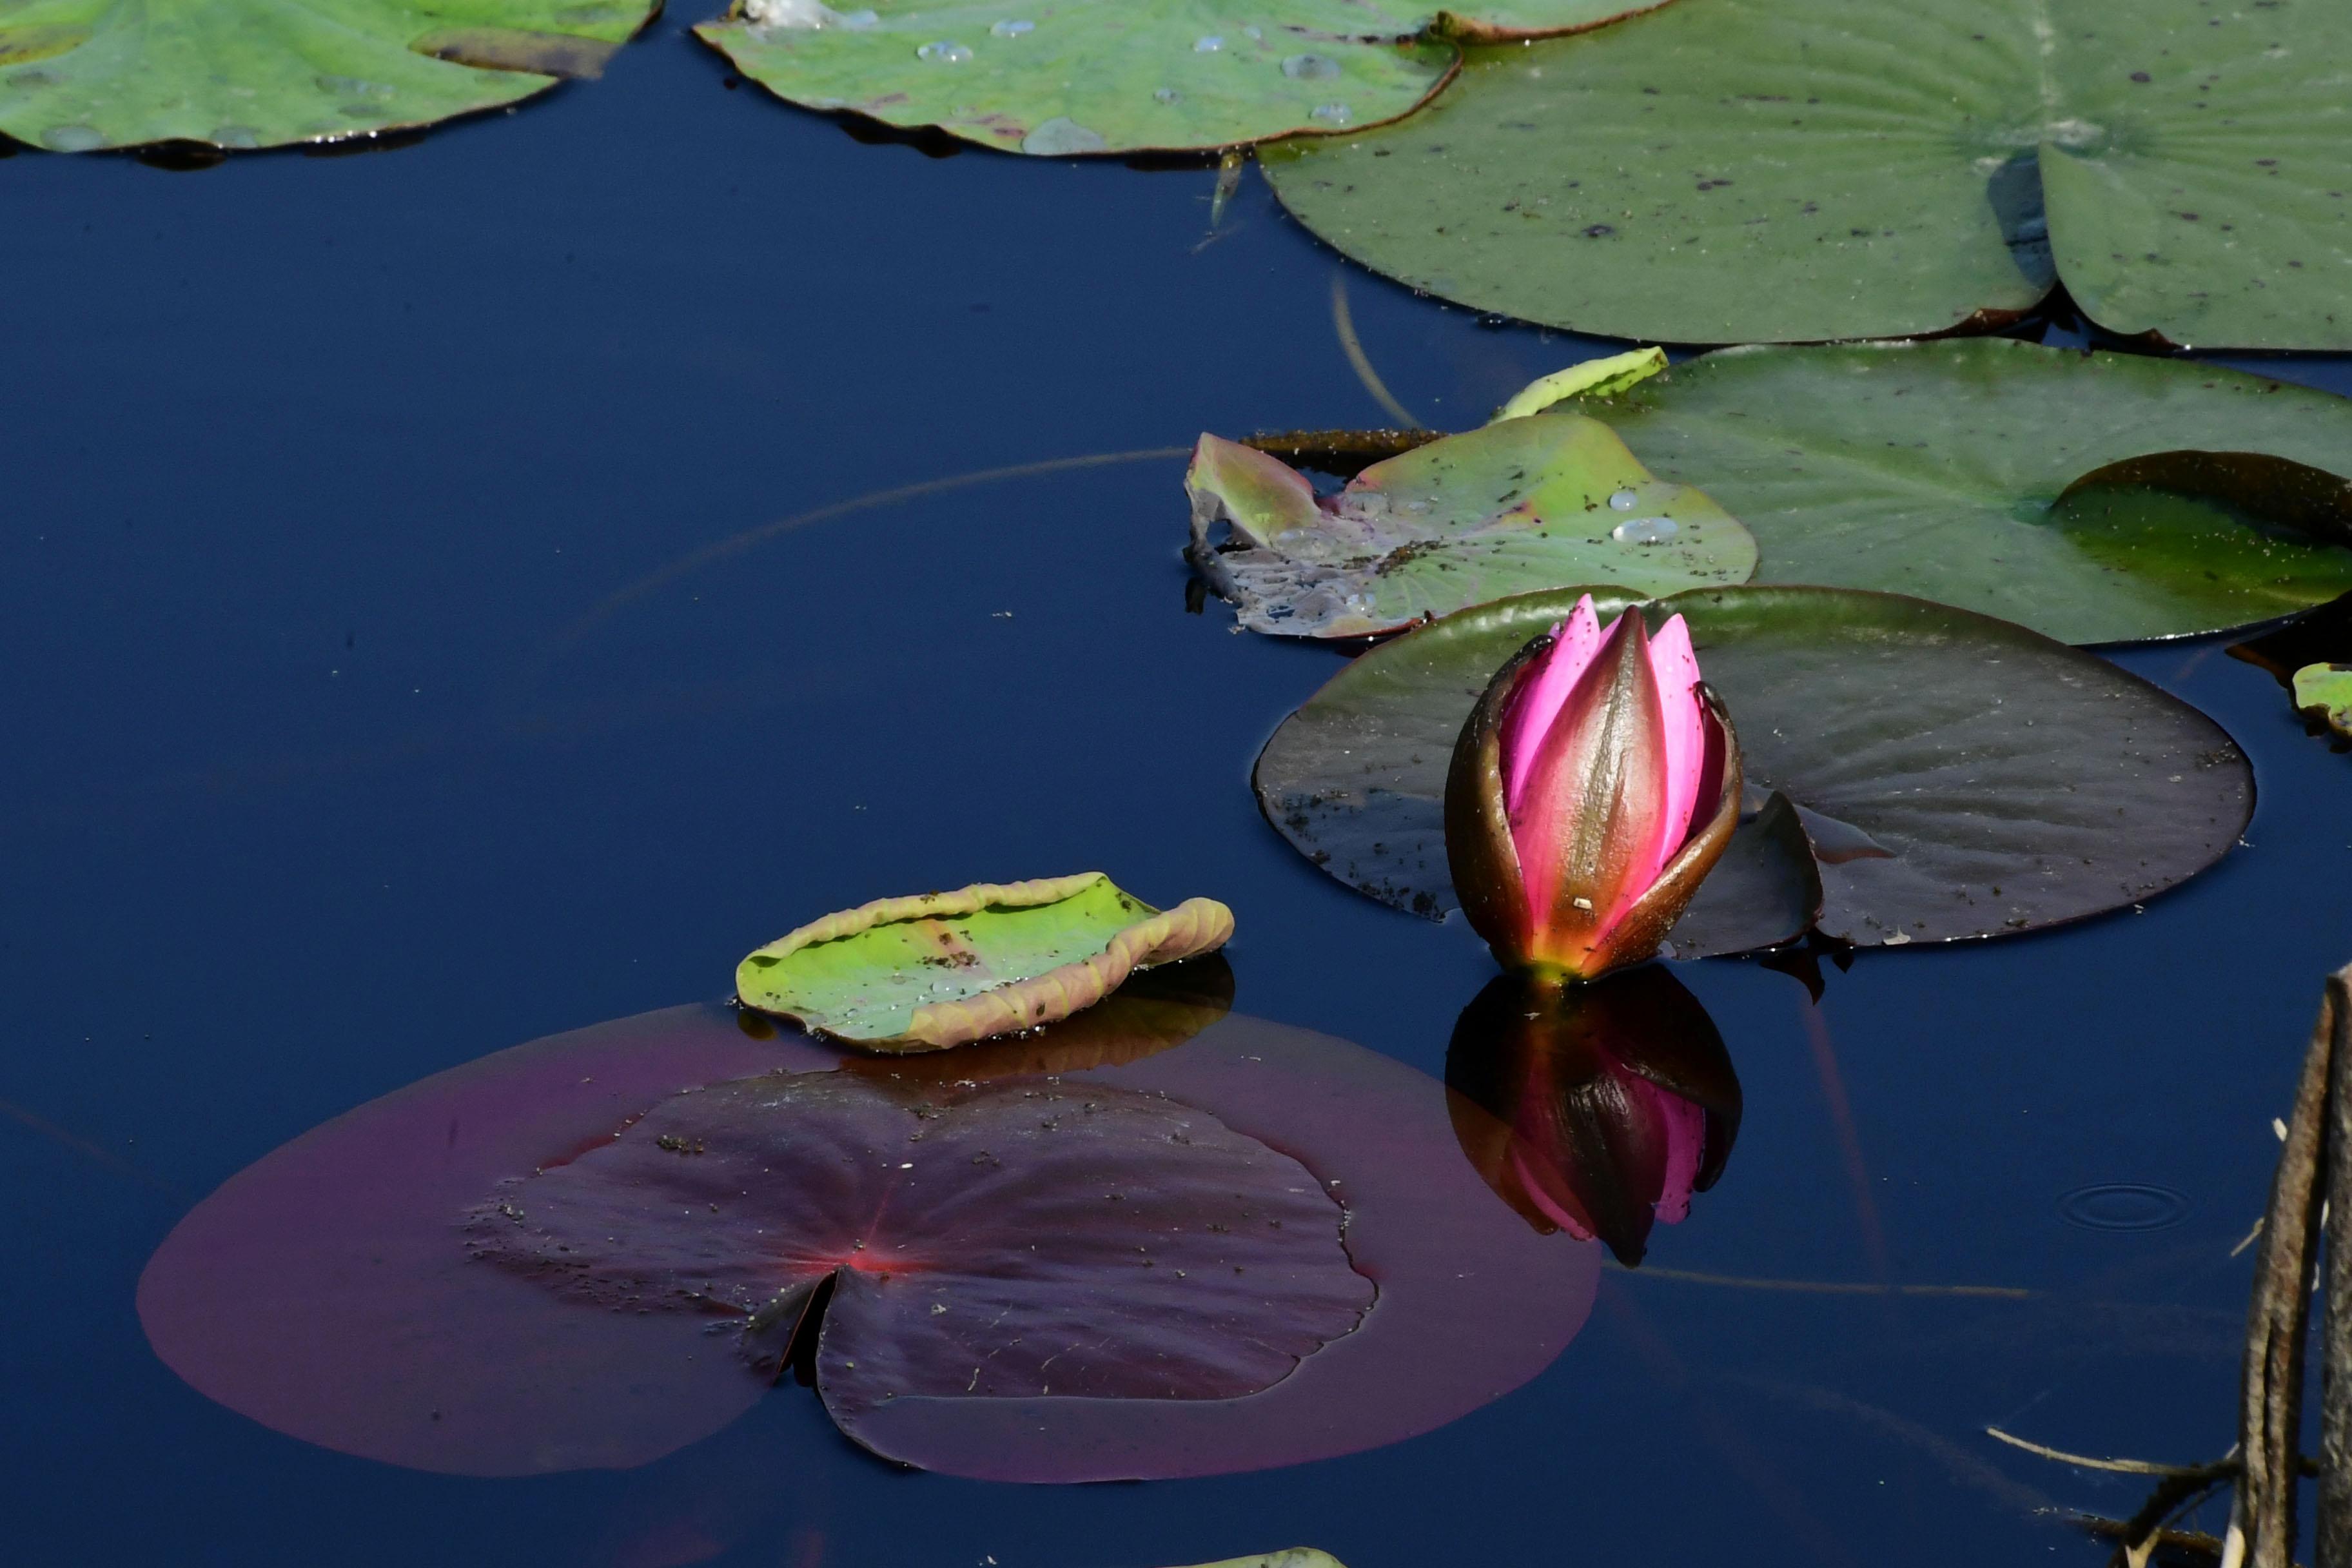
(935, 970)
(1529, 503)
(1746, 170)
(1956, 776)
(81, 75)
(327, 1291)
(1092, 76)
(2094, 497)
(1598, 1109)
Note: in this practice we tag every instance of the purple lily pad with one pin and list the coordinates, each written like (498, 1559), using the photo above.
(328, 1292)
(1003, 1239)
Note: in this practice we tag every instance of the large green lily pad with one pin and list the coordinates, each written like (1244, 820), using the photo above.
(1524, 504)
(1067, 77)
(1956, 775)
(939, 969)
(1944, 471)
(81, 75)
(1801, 170)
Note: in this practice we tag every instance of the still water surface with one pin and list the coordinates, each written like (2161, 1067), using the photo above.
(325, 771)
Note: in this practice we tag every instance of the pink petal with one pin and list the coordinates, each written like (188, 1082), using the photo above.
(1575, 642)
(1531, 1183)
(1675, 668)
(1686, 1128)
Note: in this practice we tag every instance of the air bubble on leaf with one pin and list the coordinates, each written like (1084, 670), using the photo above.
(1208, 46)
(1644, 531)
(1310, 67)
(949, 53)
(1010, 29)
(1330, 113)
(1624, 500)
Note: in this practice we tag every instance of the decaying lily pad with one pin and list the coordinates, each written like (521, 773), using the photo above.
(1748, 171)
(1522, 504)
(1102, 76)
(935, 970)
(328, 1291)
(1597, 1109)
(2324, 692)
(81, 75)
(2093, 497)
(1954, 775)
(1290, 1557)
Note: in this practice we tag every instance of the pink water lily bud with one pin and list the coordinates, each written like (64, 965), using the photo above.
(1595, 785)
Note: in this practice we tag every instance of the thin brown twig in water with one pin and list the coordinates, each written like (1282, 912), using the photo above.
(737, 544)
(2122, 1467)
(1827, 1287)
(2269, 1415)
(1343, 321)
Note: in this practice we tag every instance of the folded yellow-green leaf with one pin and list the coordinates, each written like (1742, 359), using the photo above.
(937, 969)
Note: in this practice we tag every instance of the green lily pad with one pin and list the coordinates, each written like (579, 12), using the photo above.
(1523, 504)
(1065, 77)
(81, 75)
(1954, 775)
(2324, 691)
(2094, 497)
(936, 970)
(1801, 170)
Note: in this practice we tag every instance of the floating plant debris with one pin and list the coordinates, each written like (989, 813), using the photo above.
(1742, 171)
(1099, 76)
(328, 1291)
(935, 970)
(1595, 1109)
(238, 74)
(1954, 775)
(2323, 692)
(1523, 504)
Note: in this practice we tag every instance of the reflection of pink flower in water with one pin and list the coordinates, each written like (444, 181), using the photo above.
(1595, 785)
(1595, 1109)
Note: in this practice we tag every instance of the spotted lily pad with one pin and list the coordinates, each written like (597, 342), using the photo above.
(2094, 497)
(2324, 691)
(936, 970)
(388, 1285)
(1954, 775)
(79, 75)
(1522, 504)
(1103, 76)
(1801, 170)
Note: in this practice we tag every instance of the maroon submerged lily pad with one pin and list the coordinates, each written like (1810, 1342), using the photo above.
(1001, 1239)
(330, 1292)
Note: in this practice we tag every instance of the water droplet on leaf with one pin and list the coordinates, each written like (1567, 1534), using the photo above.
(950, 53)
(1644, 531)
(1310, 67)
(1624, 500)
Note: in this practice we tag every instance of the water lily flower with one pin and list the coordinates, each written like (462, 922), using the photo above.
(1595, 785)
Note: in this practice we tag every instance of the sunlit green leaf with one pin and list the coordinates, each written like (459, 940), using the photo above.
(1116, 76)
(939, 969)
(1799, 170)
(2324, 691)
(79, 75)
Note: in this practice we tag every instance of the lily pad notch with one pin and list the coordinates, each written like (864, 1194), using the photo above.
(935, 970)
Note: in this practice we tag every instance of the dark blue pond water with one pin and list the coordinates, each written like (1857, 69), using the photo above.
(330, 763)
